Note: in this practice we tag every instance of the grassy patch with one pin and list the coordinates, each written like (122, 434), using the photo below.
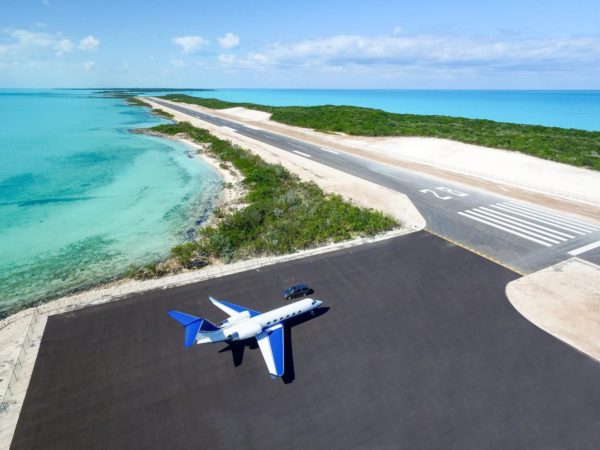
(137, 102)
(283, 214)
(162, 113)
(569, 146)
(134, 101)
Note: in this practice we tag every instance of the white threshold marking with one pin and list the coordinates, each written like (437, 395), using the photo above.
(505, 229)
(522, 225)
(497, 213)
(560, 219)
(330, 151)
(551, 214)
(302, 154)
(513, 227)
(229, 129)
(550, 222)
(585, 248)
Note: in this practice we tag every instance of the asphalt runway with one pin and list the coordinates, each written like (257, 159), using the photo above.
(418, 348)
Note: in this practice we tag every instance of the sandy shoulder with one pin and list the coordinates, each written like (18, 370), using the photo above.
(563, 300)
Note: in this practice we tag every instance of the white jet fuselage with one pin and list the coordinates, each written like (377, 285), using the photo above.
(242, 326)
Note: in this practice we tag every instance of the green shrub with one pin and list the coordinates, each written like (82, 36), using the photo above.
(283, 214)
(136, 102)
(185, 253)
(162, 113)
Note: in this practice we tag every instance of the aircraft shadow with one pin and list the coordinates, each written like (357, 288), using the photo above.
(237, 348)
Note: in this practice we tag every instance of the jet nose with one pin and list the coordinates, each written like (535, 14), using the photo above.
(319, 302)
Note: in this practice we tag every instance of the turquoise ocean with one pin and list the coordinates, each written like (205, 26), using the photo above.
(82, 198)
(565, 109)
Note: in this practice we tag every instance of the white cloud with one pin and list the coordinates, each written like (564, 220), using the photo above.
(227, 59)
(32, 48)
(428, 51)
(64, 46)
(189, 44)
(89, 44)
(177, 63)
(24, 38)
(230, 40)
(88, 65)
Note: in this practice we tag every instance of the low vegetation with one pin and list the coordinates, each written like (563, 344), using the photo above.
(281, 215)
(569, 146)
(135, 101)
(162, 113)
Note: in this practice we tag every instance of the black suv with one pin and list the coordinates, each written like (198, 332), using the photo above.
(299, 290)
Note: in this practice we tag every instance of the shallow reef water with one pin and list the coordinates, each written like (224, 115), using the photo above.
(82, 198)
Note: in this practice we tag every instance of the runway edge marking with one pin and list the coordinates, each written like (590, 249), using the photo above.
(477, 252)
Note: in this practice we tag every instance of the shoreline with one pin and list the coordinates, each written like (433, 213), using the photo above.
(231, 192)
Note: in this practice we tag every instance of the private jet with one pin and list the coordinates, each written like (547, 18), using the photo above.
(244, 323)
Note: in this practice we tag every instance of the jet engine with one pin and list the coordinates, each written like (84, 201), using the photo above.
(245, 331)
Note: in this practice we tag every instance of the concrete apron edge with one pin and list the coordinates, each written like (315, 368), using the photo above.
(580, 302)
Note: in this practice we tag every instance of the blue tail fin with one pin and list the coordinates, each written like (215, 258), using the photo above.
(192, 325)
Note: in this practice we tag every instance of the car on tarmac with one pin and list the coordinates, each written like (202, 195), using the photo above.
(298, 290)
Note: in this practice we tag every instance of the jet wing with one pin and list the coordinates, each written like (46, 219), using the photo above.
(270, 342)
(230, 308)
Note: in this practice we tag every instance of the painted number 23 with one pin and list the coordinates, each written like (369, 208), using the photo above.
(444, 190)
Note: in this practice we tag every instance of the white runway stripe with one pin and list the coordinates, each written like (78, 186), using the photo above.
(504, 223)
(505, 229)
(555, 222)
(519, 225)
(570, 236)
(562, 219)
(512, 210)
(302, 154)
(251, 127)
(585, 248)
(330, 151)
(229, 129)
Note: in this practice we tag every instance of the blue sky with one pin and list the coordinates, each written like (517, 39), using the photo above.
(464, 44)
